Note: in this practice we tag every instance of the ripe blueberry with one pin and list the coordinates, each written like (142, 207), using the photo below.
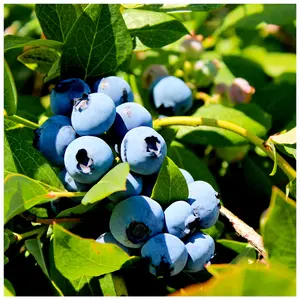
(136, 219)
(166, 255)
(205, 203)
(134, 185)
(201, 249)
(107, 238)
(171, 96)
(53, 137)
(148, 184)
(144, 149)
(188, 177)
(180, 220)
(62, 96)
(93, 114)
(70, 184)
(129, 116)
(116, 88)
(88, 158)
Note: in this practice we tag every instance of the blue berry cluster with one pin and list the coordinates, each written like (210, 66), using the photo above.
(169, 241)
(86, 132)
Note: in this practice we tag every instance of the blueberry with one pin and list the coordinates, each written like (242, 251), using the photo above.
(201, 249)
(171, 96)
(144, 149)
(134, 185)
(166, 255)
(205, 202)
(180, 220)
(53, 137)
(64, 93)
(148, 183)
(95, 86)
(136, 219)
(93, 114)
(188, 177)
(107, 238)
(116, 88)
(129, 116)
(70, 184)
(88, 158)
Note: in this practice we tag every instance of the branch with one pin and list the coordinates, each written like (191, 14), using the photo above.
(58, 220)
(245, 231)
(196, 121)
(40, 230)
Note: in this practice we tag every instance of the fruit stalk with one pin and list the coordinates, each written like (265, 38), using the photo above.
(39, 231)
(196, 121)
(21, 120)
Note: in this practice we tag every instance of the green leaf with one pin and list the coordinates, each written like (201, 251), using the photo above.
(98, 43)
(248, 16)
(14, 41)
(248, 255)
(246, 68)
(278, 229)
(279, 100)
(246, 280)
(166, 7)
(9, 290)
(274, 63)
(6, 260)
(76, 257)
(113, 181)
(10, 92)
(170, 184)
(21, 157)
(236, 246)
(34, 246)
(154, 29)
(57, 20)
(215, 231)
(6, 241)
(186, 159)
(292, 188)
(22, 193)
(78, 287)
(113, 284)
(248, 116)
(271, 14)
(39, 59)
(76, 210)
(286, 142)
(288, 137)
(54, 71)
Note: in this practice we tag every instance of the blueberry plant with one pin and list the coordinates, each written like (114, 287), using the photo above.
(149, 150)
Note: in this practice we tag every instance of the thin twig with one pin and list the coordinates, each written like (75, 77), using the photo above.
(198, 121)
(245, 231)
(58, 220)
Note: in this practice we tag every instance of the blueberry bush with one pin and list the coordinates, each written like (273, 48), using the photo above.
(149, 150)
